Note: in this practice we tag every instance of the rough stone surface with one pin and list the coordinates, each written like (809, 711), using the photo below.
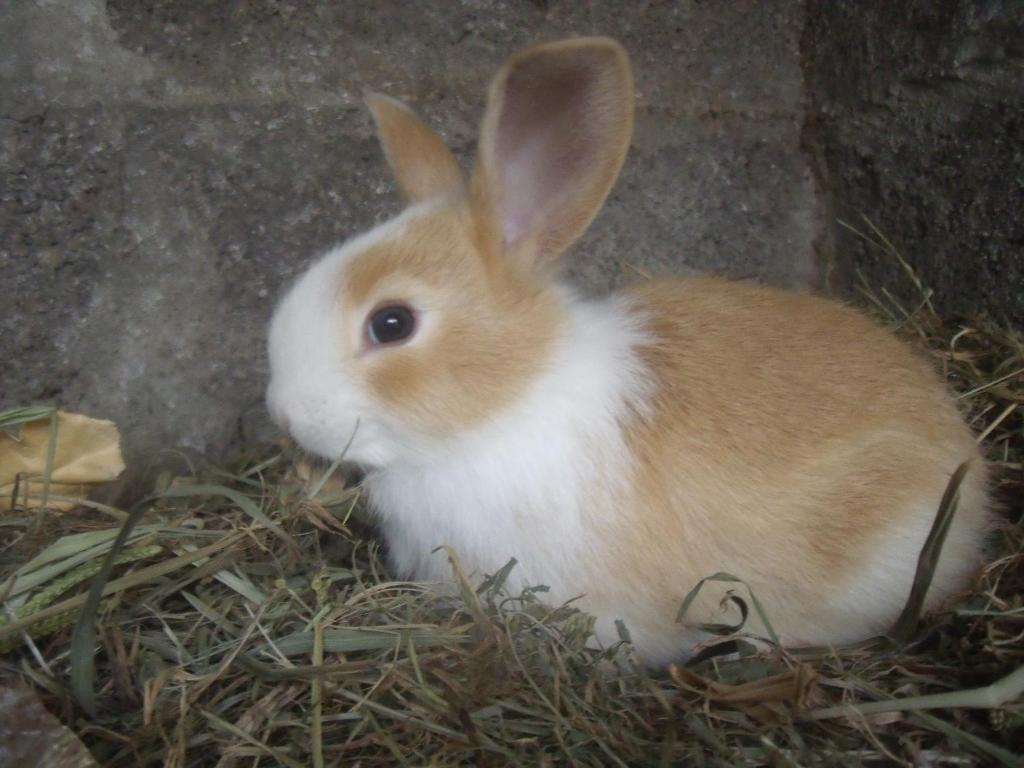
(31, 736)
(916, 118)
(167, 167)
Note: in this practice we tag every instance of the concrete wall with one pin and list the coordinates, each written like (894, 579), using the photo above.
(916, 120)
(167, 167)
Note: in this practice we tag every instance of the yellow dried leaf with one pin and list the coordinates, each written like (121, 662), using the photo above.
(88, 452)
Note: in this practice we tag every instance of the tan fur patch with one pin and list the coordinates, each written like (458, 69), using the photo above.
(422, 163)
(771, 454)
(491, 331)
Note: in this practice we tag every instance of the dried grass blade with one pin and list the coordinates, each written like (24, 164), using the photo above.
(126, 582)
(1003, 756)
(317, 698)
(927, 561)
(990, 384)
(51, 457)
(728, 578)
(118, 514)
(243, 502)
(401, 716)
(997, 694)
(235, 581)
(279, 756)
(1007, 411)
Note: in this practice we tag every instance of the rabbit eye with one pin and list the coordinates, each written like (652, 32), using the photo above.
(390, 325)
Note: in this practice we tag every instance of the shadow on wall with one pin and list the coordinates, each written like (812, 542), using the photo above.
(915, 120)
(167, 167)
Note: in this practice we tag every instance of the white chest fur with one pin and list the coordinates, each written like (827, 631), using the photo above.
(535, 480)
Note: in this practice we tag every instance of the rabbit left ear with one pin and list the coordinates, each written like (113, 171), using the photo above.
(557, 127)
(422, 163)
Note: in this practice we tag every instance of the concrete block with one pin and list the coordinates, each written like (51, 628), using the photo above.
(167, 167)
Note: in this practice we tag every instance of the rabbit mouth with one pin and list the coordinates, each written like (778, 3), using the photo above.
(352, 441)
(325, 439)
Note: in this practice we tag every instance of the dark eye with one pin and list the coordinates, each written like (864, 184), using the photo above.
(389, 325)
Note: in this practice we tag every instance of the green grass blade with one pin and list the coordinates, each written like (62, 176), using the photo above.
(83, 660)
(15, 417)
(354, 639)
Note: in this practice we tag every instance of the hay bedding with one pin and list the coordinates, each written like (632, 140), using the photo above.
(249, 621)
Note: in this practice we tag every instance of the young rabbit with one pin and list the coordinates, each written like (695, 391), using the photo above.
(620, 449)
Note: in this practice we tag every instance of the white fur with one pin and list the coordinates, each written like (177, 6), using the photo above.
(884, 579)
(516, 487)
(309, 393)
(534, 483)
(886, 576)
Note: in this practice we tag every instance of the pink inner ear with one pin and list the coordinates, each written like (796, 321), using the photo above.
(518, 181)
(543, 144)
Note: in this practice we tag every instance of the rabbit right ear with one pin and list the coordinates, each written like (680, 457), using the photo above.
(557, 127)
(419, 158)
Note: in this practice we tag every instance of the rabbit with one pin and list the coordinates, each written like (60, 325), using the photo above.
(625, 447)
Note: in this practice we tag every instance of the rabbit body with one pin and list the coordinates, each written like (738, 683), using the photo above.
(620, 449)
